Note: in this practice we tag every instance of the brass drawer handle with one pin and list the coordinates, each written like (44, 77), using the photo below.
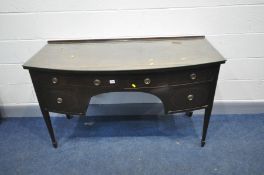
(147, 81)
(193, 76)
(59, 100)
(54, 80)
(96, 82)
(190, 97)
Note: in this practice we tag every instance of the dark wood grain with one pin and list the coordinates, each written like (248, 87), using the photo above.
(76, 90)
(180, 88)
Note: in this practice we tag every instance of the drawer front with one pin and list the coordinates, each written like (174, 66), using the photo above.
(192, 76)
(141, 80)
(189, 96)
(56, 79)
(66, 100)
(171, 78)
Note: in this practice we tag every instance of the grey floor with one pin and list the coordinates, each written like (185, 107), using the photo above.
(114, 143)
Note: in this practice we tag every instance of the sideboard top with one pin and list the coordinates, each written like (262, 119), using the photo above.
(124, 54)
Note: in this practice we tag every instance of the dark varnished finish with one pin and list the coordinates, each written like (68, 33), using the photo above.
(189, 113)
(173, 89)
(0, 116)
(46, 117)
(124, 79)
(69, 116)
(208, 110)
(180, 88)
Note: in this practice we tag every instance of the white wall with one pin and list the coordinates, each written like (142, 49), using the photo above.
(235, 28)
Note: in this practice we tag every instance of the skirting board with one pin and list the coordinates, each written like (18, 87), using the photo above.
(220, 107)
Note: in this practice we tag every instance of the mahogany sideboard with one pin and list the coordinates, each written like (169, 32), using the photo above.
(181, 71)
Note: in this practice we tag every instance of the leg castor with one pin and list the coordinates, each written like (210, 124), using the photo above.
(202, 143)
(189, 114)
(55, 145)
(69, 116)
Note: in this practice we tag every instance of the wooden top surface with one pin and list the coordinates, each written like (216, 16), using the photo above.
(124, 54)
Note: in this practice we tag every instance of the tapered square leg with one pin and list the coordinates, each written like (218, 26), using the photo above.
(69, 116)
(46, 117)
(189, 113)
(207, 116)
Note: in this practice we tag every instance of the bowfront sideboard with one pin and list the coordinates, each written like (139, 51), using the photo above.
(181, 71)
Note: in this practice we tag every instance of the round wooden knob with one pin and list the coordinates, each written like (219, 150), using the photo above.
(54, 80)
(193, 76)
(59, 100)
(97, 82)
(190, 97)
(147, 80)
